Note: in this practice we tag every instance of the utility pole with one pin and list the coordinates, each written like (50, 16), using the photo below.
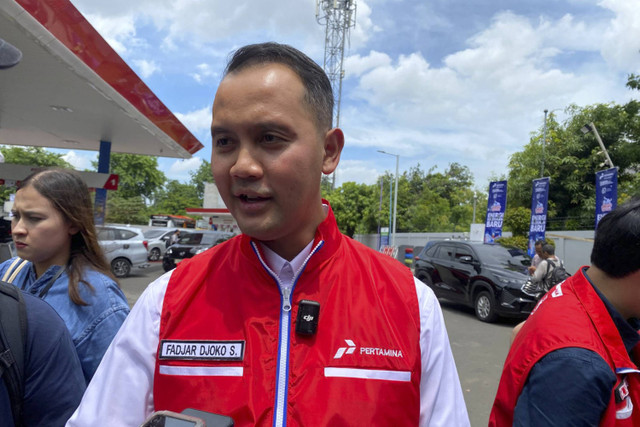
(338, 17)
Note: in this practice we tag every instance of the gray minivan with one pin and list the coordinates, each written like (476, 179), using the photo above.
(124, 247)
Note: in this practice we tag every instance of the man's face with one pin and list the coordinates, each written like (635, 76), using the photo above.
(539, 250)
(268, 156)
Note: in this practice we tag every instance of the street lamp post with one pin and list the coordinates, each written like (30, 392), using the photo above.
(590, 127)
(395, 197)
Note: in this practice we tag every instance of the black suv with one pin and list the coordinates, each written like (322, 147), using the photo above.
(190, 244)
(486, 277)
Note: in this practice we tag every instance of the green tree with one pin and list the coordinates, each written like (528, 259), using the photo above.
(572, 159)
(36, 156)
(130, 210)
(138, 175)
(517, 220)
(201, 176)
(175, 198)
(33, 156)
(351, 205)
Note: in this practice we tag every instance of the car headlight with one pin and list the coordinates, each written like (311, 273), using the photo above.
(509, 280)
(169, 251)
(198, 250)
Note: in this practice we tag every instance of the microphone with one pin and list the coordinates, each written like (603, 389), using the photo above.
(307, 320)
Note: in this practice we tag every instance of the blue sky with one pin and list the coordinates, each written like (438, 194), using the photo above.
(435, 81)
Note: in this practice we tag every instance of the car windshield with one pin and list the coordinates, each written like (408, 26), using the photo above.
(499, 255)
(190, 239)
(152, 234)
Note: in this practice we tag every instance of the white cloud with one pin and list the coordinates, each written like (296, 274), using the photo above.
(180, 169)
(80, 161)
(357, 65)
(204, 74)
(146, 68)
(198, 120)
(621, 41)
(475, 106)
(119, 31)
(356, 171)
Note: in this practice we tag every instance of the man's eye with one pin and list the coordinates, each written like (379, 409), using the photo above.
(270, 138)
(222, 142)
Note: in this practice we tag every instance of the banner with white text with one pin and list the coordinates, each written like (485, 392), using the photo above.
(539, 199)
(496, 206)
(606, 192)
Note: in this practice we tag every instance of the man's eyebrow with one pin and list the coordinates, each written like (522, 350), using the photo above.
(267, 125)
(215, 130)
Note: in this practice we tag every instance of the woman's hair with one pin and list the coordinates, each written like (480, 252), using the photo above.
(68, 193)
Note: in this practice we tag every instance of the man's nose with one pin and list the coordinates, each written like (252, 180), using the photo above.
(247, 164)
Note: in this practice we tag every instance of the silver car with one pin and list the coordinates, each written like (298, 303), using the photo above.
(124, 247)
(157, 241)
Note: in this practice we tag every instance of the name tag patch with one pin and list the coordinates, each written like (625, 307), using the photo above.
(202, 350)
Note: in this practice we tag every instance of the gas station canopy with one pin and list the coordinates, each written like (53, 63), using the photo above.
(72, 90)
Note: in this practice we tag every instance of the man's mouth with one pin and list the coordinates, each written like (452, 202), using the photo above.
(251, 199)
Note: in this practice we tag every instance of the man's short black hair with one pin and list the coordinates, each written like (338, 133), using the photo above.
(548, 249)
(319, 94)
(540, 242)
(616, 248)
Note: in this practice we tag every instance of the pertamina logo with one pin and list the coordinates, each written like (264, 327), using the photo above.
(345, 350)
(369, 351)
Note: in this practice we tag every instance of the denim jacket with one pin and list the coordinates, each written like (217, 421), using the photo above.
(93, 326)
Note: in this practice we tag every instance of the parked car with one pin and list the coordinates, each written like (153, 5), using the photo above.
(124, 247)
(190, 244)
(157, 241)
(487, 277)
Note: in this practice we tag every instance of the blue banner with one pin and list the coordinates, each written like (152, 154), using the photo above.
(606, 192)
(539, 199)
(496, 205)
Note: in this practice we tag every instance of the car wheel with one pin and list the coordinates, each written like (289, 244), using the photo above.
(154, 255)
(485, 307)
(425, 278)
(120, 267)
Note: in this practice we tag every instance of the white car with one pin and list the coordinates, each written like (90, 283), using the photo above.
(124, 247)
(157, 241)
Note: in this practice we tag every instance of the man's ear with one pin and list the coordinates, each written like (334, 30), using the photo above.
(333, 143)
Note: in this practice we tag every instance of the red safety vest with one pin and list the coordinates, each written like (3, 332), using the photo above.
(220, 338)
(570, 315)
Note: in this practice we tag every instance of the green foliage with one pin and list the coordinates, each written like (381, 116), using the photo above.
(175, 198)
(201, 176)
(129, 210)
(36, 156)
(351, 205)
(520, 242)
(427, 201)
(517, 220)
(33, 156)
(633, 81)
(572, 159)
(138, 175)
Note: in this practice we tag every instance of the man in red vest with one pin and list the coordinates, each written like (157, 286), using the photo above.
(290, 323)
(575, 360)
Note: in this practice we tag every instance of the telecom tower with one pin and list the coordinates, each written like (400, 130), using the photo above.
(339, 16)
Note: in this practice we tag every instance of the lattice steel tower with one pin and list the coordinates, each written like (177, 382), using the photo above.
(339, 16)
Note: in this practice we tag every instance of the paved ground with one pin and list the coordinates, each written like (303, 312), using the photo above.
(479, 348)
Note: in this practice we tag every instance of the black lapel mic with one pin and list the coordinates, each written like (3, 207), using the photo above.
(307, 320)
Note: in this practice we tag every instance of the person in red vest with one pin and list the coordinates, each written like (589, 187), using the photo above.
(575, 360)
(290, 323)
